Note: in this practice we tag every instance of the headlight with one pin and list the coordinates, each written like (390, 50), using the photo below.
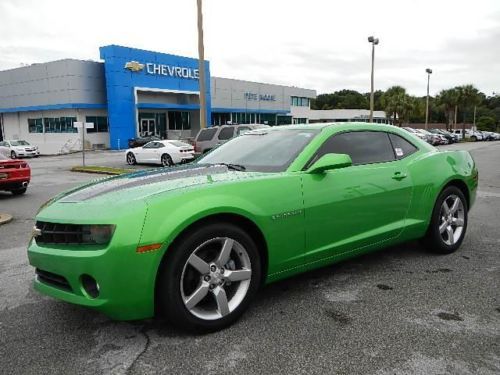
(97, 234)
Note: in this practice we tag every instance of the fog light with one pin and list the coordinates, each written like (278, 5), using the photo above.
(90, 286)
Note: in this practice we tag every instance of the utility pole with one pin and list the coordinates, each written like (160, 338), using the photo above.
(429, 72)
(374, 42)
(201, 68)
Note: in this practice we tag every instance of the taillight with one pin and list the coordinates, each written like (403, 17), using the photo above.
(24, 165)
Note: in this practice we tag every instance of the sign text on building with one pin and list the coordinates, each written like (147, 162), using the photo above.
(260, 97)
(172, 71)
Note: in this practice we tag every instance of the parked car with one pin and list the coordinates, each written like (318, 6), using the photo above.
(15, 175)
(450, 138)
(208, 138)
(141, 141)
(166, 153)
(417, 134)
(433, 139)
(18, 148)
(470, 134)
(490, 136)
(195, 243)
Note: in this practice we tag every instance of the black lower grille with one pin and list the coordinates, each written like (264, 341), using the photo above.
(54, 233)
(52, 279)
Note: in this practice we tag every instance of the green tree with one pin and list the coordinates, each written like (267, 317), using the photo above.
(487, 123)
(468, 97)
(448, 101)
(394, 101)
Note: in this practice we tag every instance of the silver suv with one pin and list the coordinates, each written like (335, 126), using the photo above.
(208, 138)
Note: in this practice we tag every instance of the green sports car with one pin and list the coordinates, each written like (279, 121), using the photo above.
(195, 242)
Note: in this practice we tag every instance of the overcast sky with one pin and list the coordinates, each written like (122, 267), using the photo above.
(317, 44)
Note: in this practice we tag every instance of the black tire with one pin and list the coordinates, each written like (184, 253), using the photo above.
(169, 297)
(166, 160)
(13, 155)
(20, 191)
(433, 239)
(131, 159)
(473, 138)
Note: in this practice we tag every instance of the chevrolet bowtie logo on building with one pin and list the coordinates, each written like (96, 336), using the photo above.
(134, 66)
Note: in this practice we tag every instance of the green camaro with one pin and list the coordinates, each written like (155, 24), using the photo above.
(195, 242)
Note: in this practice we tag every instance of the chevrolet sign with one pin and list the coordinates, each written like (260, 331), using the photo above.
(134, 66)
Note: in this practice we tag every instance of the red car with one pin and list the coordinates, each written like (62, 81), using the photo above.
(15, 175)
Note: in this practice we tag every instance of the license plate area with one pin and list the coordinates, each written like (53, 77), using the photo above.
(3, 176)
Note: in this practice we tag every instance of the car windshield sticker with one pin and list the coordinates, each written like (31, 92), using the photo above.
(399, 151)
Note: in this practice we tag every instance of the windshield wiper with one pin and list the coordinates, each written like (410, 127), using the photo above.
(234, 167)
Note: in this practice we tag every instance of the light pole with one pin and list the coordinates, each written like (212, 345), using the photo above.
(374, 42)
(201, 68)
(429, 72)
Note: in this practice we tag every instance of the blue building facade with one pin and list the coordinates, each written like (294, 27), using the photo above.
(133, 73)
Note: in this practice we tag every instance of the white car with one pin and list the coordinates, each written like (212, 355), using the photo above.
(166, 153)
(470, 134)
(18, 148)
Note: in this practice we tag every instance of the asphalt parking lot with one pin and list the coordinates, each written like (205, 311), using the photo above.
(397, 311)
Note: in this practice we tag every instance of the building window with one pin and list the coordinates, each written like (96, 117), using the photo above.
(35, 125)
(100, 124)
(299, 101)
(59, 124)
(179, 120)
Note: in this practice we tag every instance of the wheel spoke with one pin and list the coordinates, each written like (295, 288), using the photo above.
(454, 206)
(443, 226)
(459, 222)
(239, 275)
(199, 264)
(449, 231)
(225, 252)
(197, 296)
(221, 299)
(446, 208)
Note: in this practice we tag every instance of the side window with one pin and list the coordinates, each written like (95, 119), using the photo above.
(402, 148)
(226, 133)
(364, 147)
(206, 134)
(149, 145)
(159, 145)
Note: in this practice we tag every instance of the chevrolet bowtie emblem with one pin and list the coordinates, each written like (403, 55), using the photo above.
(134, 66)
(36, 232)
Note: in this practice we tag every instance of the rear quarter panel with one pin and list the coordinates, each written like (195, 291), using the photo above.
(431, 172)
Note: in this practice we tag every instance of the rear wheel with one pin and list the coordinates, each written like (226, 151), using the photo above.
(473, 138)
(166, 160)
(131, 159)
(209, 277)
(448, 223)
(19, 191)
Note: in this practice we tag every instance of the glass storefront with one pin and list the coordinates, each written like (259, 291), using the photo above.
(158, 124)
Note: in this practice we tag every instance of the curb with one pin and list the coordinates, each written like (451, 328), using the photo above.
(5, 218)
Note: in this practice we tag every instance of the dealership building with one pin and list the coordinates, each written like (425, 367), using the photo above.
(132, 93)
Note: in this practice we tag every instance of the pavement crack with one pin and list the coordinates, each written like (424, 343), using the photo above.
(144, 332)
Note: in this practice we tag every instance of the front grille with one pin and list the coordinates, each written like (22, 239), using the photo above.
(53, 280)
(53, 233)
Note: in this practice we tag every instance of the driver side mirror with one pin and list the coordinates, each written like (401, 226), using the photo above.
(330, 161)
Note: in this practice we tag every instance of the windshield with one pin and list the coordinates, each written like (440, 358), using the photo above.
(262, 150)
(19, 143)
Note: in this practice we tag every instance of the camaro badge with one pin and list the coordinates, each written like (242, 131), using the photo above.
(134, 66)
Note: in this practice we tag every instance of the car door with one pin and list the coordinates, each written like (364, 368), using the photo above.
(356, 206)
(144, 154)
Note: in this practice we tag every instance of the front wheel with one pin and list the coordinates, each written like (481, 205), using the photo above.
(473, 138)
(209, 277)
(166, 160)
(448, 223)
(131, 159)
(13, 155)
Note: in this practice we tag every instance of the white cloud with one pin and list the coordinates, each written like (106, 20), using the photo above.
(318, 44)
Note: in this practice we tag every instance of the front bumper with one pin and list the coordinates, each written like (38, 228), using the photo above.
(125, 278)
(27, 153)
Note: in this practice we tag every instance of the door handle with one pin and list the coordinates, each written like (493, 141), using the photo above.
(399, 176)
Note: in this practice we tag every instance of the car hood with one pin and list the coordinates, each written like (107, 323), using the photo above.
(143, 184)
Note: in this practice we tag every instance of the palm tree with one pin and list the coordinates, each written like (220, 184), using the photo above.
(468, 96)
(393, 101)
(448, 100)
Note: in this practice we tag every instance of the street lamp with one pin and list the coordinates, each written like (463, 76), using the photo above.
(429, 72)
(374, 42)
(201, 68)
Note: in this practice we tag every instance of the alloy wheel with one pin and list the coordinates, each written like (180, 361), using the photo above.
(130, 159)
(166, 161)
(451, 219)
(215, 278)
